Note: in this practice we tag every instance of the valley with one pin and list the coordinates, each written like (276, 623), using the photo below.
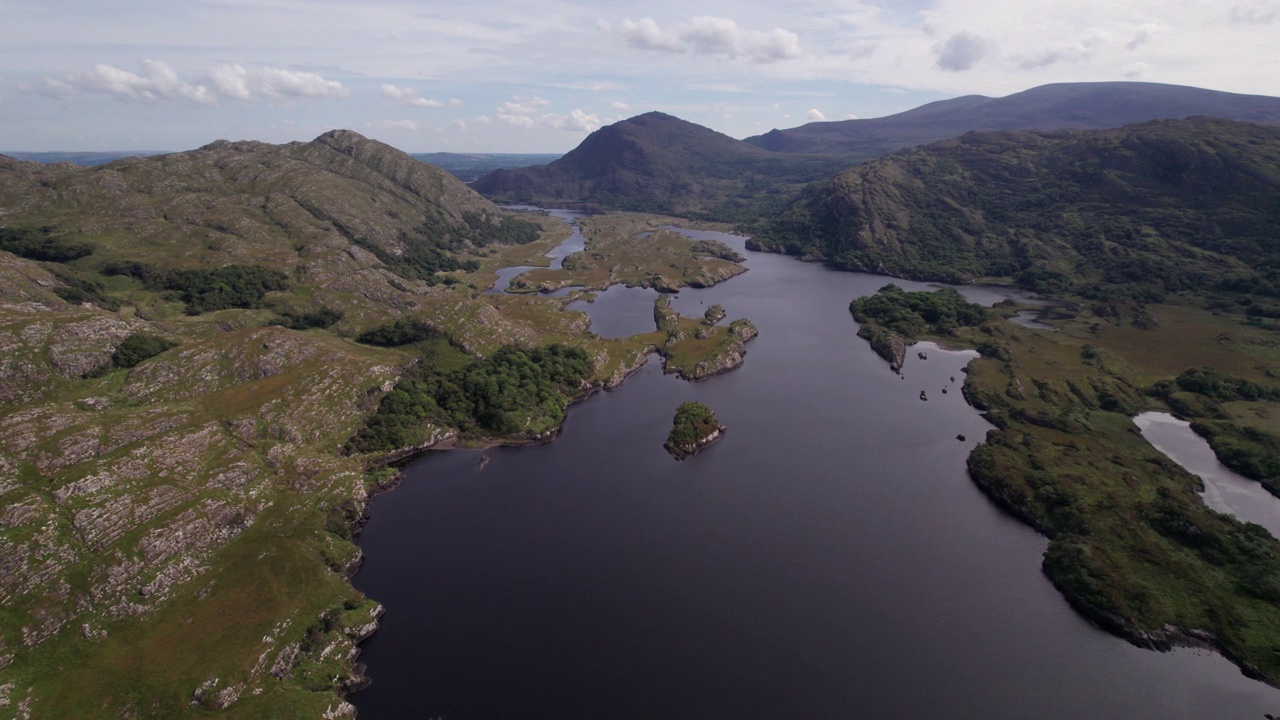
(214, 360)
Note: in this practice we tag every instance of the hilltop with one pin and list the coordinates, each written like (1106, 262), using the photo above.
(1144, 210)
(1048, 107)
(659, 163)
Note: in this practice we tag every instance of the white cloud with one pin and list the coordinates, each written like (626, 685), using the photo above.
(712, 36)
(406, 125)
(815, 115)
(576, 121)
(961, 51)
(521, 111)
(158, 81)
(620, 106)
(483, 120)
(526, 112)
(230, 81)
(408, 96)
(455, 102)
(284, 84)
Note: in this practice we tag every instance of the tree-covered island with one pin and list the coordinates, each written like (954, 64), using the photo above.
(693, 429)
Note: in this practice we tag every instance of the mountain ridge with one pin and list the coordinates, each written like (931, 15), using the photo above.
(1162, 206)
(1054, 106)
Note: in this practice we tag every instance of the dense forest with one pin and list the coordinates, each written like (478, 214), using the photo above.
(513, 391)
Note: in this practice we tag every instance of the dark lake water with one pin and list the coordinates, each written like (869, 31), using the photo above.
(829, 558)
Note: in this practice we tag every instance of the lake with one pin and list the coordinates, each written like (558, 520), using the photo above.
(828, 558)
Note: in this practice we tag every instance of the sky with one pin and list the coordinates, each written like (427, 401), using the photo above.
(536, 76)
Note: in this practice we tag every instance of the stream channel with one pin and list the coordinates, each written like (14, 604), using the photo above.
(829, 558)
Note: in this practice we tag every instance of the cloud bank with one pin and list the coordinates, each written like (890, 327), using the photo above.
(158, 82)
(712, 36)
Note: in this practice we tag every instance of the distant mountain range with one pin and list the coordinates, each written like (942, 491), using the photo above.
(660, 163)
(1048, 107)
(81, 158)
(1163, 206)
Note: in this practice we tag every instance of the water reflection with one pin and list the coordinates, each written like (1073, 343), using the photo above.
(1224, 490)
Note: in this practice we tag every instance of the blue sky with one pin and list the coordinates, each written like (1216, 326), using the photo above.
(538, 75)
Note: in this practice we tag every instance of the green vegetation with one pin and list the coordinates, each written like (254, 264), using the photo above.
(893, 318)
(402, 331)
(232, 286)
(1132, 545)
(139, 347)
(630, 249)
(1133, 214)
(514, 391)
(36, 244)
(713, 315)
(692, 427)
(77, 289)
(695, 349)
(321, 317)
(912, 314)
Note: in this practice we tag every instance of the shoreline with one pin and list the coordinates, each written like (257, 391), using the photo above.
(1166, 638)
(401, 459)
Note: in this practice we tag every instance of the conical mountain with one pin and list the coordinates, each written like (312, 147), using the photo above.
(660, 163)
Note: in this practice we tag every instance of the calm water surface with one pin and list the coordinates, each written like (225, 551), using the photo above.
(571, 245)
(1224, 490)
(829, 558)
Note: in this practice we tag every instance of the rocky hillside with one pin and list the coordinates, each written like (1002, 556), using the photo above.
(203, 358)
(177, 377)
(1142, 210)
(659, 163)
(1048, 107)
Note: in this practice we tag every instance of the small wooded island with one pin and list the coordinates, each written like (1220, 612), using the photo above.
(693, 429)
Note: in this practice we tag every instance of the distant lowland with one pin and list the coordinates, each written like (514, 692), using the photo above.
(212, 359)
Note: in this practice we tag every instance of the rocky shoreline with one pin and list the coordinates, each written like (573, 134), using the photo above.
(684, 452)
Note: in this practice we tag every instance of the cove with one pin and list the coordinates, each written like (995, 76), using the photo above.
(828, 558)
(1224, 490)
(571, 245)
